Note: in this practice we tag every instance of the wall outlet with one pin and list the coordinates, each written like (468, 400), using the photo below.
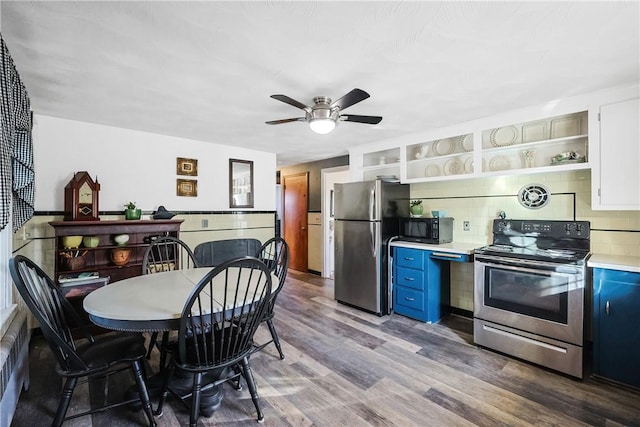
(466, 226)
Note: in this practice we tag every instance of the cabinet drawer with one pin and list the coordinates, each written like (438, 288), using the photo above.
(410, 278)
(409, 298)
(411, 258)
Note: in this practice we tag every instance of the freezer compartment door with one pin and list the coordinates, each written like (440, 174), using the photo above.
(357, 264)
(358, 201)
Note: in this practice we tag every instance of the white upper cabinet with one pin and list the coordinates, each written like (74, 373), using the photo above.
(445, 157)
(616, 173)
(598, 131)
(554, 143)
(383, 163)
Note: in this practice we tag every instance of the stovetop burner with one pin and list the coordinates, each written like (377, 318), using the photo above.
(554, 241)
(557, 253)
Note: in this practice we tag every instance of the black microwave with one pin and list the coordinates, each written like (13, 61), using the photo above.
(426, 230)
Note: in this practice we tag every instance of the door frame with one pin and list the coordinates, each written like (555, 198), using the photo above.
(325, 184)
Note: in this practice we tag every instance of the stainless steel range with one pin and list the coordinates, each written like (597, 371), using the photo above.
(529, 292)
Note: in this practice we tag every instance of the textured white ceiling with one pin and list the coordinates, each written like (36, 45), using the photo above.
(205, 70)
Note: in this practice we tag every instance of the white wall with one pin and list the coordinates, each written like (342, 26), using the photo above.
(139, 166)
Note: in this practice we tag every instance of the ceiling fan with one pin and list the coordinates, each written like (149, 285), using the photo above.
(324, 114)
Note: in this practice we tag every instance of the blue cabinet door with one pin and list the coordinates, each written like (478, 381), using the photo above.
(411, 258)
(411, 303)
(616, 339)
(410, 278)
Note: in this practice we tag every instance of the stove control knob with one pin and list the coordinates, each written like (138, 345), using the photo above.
(569, 227)
(502, 225)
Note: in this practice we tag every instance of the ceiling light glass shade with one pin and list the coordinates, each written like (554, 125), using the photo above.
(322, 126)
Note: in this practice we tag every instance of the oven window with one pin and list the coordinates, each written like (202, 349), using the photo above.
(543, 295)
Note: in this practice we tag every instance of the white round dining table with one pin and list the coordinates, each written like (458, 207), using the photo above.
(154, 302)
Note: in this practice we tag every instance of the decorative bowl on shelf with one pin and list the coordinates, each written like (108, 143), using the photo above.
(120, 256)
(438, 214)
(163, 213)
(71, 241)
(121, 239)
(91, 241)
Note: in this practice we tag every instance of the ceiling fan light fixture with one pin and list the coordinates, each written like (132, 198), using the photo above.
(324, 114)
(322, 126)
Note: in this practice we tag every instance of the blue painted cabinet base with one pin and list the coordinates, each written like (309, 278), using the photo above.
(616, 330)
(420, 285)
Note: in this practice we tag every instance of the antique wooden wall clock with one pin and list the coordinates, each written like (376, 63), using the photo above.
(81, 198)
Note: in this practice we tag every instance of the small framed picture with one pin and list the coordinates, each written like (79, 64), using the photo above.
(187, 166)
(187, 187)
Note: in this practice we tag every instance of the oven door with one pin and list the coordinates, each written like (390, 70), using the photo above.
(542, 298)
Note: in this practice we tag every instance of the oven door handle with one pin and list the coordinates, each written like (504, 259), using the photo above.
(516, 268)
(530, 266)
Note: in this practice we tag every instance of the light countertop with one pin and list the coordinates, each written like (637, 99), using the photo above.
(465, 248)
(615, 262)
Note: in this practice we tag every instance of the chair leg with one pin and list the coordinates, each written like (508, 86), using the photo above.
(142, 389)
(274, 335)
(65, 399)
(248, 376)
(237, 383)
(164, 391)
(152, 343)
(195, 399)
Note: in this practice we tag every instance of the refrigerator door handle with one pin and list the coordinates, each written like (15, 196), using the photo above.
(372, 204)
(374, 239)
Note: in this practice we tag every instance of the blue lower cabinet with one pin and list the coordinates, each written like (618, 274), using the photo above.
(420, 285)
(616, 330)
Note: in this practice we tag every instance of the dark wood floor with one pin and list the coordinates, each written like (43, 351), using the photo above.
(344, 367)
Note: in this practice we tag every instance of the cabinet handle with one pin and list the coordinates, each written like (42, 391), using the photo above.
(607, 308)
(446, 255)
(409, 299)
(409, 279)
(408, 258)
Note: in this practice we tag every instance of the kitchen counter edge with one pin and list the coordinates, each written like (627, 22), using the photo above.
(615, 262)
(465, 248)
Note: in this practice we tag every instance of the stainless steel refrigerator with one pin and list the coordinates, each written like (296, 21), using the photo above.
(366, 216)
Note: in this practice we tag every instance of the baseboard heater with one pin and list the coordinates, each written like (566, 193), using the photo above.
(14, 362)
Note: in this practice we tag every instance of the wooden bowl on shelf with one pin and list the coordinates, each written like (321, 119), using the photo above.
(73, 263)
(120, 256)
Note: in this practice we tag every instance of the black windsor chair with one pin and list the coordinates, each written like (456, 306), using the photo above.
(218, 342)
(211, 254)
(165, 254)
(275, 254)
(95, 357)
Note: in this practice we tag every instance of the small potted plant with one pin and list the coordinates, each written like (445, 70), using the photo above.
(415, 207)
(131, 212)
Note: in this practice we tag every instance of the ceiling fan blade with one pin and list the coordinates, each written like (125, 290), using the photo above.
(290, 101)
(372, 120)
(351, 98)
(279, 122)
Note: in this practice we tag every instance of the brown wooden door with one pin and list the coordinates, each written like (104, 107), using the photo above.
(295, 219)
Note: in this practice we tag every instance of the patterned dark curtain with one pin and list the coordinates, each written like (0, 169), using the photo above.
(16, 148)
